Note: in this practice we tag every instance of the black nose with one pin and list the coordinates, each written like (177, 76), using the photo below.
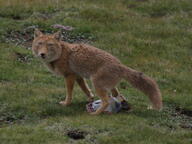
(42, 55)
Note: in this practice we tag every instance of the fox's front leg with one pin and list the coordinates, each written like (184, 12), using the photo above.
(69, 80)
(82, 83)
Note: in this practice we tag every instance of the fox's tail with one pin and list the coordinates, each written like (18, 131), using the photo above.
(145, 84)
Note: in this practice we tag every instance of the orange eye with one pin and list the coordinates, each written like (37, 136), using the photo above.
(50, 44)
(40, 43)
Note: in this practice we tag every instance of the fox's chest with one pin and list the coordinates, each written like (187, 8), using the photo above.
(58, 69)
(54, 69)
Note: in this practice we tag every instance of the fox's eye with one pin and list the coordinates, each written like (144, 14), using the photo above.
(50, 44)
(39, 43)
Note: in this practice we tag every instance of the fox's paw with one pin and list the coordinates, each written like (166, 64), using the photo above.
(91, 99)
(64, 103)
(154, 108)
(150, 107)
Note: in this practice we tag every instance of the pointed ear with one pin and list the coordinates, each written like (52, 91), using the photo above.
(37, 33)
(57, 35)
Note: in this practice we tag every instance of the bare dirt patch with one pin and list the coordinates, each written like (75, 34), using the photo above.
(8, 117)
(24, 58)
(181, 116)
(184, 111)
(76, 134)
(25, 37)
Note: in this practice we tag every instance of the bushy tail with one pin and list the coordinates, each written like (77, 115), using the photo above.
(145, 84)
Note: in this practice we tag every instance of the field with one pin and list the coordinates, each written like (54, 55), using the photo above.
(151, 36)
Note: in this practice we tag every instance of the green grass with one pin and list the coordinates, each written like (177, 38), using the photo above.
(148, 35)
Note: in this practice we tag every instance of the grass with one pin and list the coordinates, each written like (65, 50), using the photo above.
(147, 35)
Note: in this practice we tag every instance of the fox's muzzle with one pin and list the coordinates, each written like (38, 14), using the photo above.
(42, 55)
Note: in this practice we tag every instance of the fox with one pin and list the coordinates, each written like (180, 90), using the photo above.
(79, 61)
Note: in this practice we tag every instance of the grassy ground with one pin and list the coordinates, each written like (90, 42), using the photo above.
(148, 35)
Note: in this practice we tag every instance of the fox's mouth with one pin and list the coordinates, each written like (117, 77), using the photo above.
(46, 59)
(43, 57)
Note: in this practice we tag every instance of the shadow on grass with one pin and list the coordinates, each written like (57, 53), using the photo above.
(76, 108)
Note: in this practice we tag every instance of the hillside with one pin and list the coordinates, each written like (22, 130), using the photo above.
(151, 36)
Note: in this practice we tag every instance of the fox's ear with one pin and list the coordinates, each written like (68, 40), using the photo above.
(57, 35)
(37, 33)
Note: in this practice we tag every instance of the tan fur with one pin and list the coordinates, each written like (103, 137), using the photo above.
(78, 61)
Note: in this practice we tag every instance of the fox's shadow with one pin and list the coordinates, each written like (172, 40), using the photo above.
(55, 109)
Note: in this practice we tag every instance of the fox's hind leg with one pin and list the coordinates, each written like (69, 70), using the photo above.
(115, 93)
(84, 86)
(104, 80)
(104, 98)
(125, 105)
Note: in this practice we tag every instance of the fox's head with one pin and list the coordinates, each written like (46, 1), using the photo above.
(47, 47)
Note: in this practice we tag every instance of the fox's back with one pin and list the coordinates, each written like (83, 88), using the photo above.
(86, 60)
